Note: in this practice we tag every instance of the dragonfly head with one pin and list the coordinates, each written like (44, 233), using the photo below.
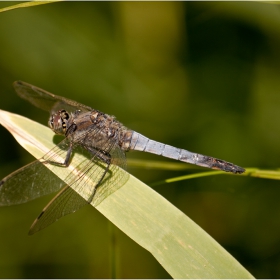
(58, 122)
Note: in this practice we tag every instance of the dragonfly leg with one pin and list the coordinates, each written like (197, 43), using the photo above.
(66, 161)
(68, 157)
(98, 184)
(105, 158)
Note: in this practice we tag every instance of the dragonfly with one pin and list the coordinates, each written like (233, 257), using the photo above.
(102, 141)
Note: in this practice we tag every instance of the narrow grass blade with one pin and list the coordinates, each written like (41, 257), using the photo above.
(27, 4)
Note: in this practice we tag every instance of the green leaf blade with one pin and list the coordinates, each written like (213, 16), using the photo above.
(180, 246)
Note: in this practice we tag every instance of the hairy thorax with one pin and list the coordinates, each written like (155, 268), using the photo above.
(94, 129)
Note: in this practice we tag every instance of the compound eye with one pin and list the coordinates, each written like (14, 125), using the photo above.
(58, 122)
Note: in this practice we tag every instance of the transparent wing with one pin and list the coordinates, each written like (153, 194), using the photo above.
(46, 100)
(92, 179)
(27, 183)
(35, 179)
(67, 201)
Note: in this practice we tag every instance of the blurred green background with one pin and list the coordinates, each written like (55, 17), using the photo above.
(203, 76)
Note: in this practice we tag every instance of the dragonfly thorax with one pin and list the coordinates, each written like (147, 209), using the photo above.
(58, 122)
